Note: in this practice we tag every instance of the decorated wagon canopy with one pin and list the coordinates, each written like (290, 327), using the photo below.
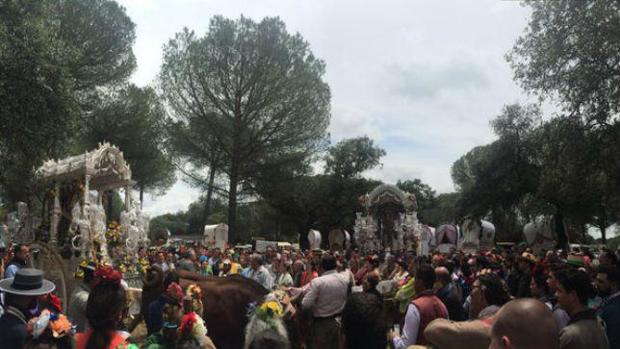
(78, 217)
(105, 167)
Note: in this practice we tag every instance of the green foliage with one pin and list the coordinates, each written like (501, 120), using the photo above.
(613, 243)
(325, 201)
(533, 169)
(443, 210)
(497, 176)
(55, 55)
(570, 49)
(176, 223)
(569, 53)
(257, 89)
(350, 157)
(133, 119)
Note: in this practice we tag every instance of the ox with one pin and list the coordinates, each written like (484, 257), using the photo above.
(225, 302)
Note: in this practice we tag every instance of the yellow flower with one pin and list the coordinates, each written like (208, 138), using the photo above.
(274, 306)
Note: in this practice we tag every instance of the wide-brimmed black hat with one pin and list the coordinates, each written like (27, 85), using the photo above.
(27, 282)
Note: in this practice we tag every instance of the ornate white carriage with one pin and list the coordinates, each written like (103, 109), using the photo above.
(74, 223)
(391, 222)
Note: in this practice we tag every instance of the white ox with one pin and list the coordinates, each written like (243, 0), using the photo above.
(426, 240)
(216, 235)
(446, 237)
(339, 239)
(314, 239)
(478, 235)
(540, 234)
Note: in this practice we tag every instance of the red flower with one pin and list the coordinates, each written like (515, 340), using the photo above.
(175, 292)
(187, 323)
(55, 302)
(107, 273)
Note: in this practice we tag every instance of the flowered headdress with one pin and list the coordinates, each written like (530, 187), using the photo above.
(193, 326)
(175, 293)
(267, 315)
(58, 325)
(195, 293)
(86, 264)
(52, 301)
(107, 273)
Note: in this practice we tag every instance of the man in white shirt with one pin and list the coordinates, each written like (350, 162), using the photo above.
(326, 297)
(259, 273)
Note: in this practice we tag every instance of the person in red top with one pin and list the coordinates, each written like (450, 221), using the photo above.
(104, 311)
(310, 273)
(424, 308)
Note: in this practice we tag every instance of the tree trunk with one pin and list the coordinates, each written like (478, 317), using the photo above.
(207, 207)
(232, 201)
(141, 195)
(603, 225)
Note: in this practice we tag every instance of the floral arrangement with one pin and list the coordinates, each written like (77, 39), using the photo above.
(143, 265)
(79, 273)
(113, 234)
(56, 323)
(270, 309)
(267, 315)
(129, 263)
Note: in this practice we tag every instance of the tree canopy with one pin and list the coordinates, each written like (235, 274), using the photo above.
(571, 49)
(351, 157)
(134, 119)
(55, 56)
(259, 89)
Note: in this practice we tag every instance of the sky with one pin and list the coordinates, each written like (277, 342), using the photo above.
(422, 78)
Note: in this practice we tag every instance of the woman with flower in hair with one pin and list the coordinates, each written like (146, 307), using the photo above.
(194, 292)
(104, 311)
(51, 330)
(166, 338)
(192, 329)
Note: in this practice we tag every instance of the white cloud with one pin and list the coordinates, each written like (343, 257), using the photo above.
(381, 58)
(176, 199)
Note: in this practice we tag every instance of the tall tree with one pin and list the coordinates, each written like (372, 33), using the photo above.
(497, 176)
(55, 55)
(571, 49)
(573, 176)
(133, 119)
(259, 89)
(570, 52)
(329, 200)
(351, 157)
(193, 149)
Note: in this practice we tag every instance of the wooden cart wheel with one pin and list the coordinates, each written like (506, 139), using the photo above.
(48, 260)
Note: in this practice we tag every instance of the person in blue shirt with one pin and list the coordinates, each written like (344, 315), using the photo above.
(154, 315)
(21, 254)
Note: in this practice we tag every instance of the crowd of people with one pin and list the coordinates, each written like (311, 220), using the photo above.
(507, 298)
